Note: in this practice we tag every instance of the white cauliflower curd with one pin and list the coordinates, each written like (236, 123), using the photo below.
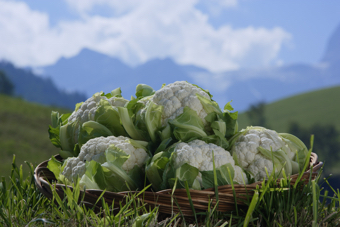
(95, 149)
(199, 154)
(257, 148)
(86, 112)
(174, 97)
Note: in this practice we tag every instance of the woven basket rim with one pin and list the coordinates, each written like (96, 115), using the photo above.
(161, 198)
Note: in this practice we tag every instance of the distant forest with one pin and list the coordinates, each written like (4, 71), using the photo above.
(6, 86)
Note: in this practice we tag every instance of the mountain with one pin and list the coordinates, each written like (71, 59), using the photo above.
(331, 58)
(37, 89)
(268, 85)
(86, 71)
(159, 71)
(90, 72)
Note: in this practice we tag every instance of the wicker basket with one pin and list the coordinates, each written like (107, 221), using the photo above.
(201, 198)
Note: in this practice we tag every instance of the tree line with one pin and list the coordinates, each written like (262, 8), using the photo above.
(6, 86)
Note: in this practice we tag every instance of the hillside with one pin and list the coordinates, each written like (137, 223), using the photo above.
(316, 107)
(24, 133)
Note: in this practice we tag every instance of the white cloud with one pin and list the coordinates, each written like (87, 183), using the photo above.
(26, 37)
(20, 26)
(138, 32)
(85, 6)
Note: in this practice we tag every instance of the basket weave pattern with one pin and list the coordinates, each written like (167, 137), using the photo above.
(167, 203)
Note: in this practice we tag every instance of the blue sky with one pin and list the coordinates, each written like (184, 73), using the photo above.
(216, 34)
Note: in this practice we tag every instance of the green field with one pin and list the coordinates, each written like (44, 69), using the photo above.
(316, 107)
(24, 133)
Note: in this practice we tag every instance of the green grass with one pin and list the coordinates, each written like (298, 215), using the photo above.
(21, 204)
(23, 132)
(321, 106)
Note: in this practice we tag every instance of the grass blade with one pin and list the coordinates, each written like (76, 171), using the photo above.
(215, 180)
(251, 208)
(315, 205)
(190, 200)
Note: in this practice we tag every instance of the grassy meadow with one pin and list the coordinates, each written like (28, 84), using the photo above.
(23, 132)
(321, 106)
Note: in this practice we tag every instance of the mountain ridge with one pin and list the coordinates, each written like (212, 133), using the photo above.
(37, 89)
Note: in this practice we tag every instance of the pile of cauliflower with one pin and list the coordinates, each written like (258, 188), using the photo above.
(175, 136)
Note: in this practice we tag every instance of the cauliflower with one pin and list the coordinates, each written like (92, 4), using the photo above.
(182, 111)
(174, 97)
(95, 149)
(197, 153)
(256, 148)
(246, 145)
(87, 110)
(193, 162)
(97, 116)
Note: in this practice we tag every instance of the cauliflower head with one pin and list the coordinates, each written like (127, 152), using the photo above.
(86, 112)
(247, 151)
(95, 149)
(174, 97)
(199, 154)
